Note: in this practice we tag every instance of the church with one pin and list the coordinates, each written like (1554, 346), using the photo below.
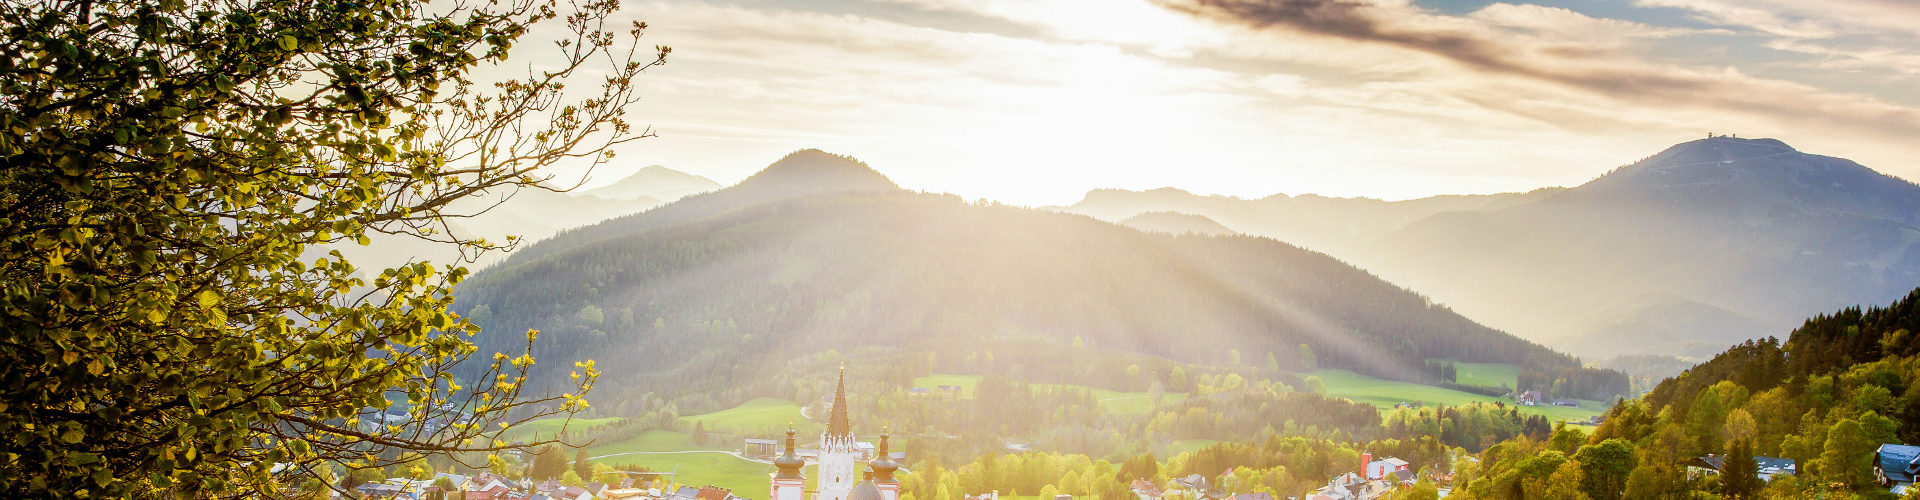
(839, 458)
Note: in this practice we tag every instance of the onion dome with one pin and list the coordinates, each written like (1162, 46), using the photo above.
(866, 490)
(789, 463)
(882, 464)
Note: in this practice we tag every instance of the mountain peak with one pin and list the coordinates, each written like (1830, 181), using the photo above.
(816, 171)
(655, 182)
(1761, 178)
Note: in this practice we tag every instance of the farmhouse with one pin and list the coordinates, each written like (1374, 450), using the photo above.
(1895, 465)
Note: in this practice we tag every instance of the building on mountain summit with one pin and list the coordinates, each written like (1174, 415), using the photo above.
(838, 454)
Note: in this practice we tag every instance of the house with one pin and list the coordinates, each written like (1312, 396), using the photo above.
(379, 490)
(1895, 465)
(487, 486)
(917, 391)
(759, 448)
(1766, 467)
(1063, 497)
(1530, 398)
(1252, 496)
(994, 495)
(1145, 489)
(1381, 469)
(1376, 478)
(1570, 403)
(714, 493)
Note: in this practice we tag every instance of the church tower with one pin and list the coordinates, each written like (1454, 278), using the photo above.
(882, 468)
(838, 452)
(788, 483)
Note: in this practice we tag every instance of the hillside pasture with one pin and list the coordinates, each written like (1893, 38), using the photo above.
(1384, 394)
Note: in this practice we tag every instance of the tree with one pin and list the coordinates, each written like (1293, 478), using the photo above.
(171, 171)
(1739, 475)
(1605, 466)
(571, 478)
(1848, 456)
(1705, 419)
(581, 466)
(548, 463)
(1739, 426)
(1307, 360)
(444, 485)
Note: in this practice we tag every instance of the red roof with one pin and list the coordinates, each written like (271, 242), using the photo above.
(713, 493)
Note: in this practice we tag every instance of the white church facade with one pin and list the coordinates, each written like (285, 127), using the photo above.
(837, 468)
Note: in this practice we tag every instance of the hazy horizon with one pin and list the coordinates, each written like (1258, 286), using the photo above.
(1035, 103)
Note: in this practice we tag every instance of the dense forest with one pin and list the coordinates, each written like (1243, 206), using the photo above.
(729, 276)
(1841, 385)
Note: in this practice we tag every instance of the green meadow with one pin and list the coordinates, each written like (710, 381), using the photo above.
(1384, 394)
(1111, 401)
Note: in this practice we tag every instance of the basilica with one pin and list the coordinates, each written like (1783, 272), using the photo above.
(838, 462)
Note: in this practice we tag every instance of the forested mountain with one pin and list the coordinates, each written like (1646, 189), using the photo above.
(820, 252)
(1711, 240)
(1176, 223)
(1706, 244)
(1839, 387)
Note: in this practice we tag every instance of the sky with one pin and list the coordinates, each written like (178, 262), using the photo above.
(1035, 102)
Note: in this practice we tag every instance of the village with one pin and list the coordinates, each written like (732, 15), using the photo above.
(846, 468)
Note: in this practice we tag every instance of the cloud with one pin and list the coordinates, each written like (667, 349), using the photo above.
(1471, 42)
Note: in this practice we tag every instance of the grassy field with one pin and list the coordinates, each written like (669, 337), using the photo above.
(654, 440)
(1110, 401)
(546, 428)
(761, 416)
(1487, 374)
(746, 478)
(1383, 394)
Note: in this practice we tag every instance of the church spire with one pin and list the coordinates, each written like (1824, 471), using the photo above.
(837, 425)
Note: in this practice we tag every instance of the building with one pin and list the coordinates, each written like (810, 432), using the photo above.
(838, 454)
(1145, 489)
(1382, 469)
(1375, 479)
(1766, 467)
(1895, 465)
(759, 448)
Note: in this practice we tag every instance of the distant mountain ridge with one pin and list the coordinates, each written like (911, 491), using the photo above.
(819, 251)
(801, 173)
(1177, 223)
(657, 183)
(1730, 228)
(1706, 242)
(1337, 226)
(530, 213)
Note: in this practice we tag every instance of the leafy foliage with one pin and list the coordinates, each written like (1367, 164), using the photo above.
(171, 172)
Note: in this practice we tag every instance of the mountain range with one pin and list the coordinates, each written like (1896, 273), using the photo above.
(820, 252)
(1698, 247)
